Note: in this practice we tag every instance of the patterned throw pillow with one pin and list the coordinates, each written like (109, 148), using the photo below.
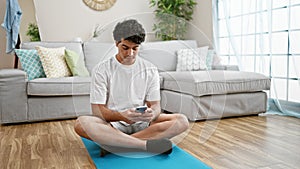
(209, 59)
(76, 64)
(212, 59)
(191, 59)
(53, 61)
(31, 63)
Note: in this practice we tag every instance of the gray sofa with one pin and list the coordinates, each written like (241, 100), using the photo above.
(221, 92)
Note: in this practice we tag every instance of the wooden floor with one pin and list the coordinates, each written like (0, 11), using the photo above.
(265, 142)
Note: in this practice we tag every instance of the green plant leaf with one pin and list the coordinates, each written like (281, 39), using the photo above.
(33, 32)
(172, 17)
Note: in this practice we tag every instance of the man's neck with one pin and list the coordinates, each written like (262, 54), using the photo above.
(123, 61)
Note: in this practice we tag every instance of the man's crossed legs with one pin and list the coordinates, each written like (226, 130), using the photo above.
(154, 138)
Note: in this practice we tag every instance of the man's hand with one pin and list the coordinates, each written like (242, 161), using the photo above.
(152, 112)
(130, 116)
(134, 116)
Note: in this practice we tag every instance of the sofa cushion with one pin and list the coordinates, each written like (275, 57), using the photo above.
(31, 63)
(212, 59)
(74, 46)
(200, 83)
(76, 63)
(163, 53)
(95, 52)
(59, 86)
(54, 62)
(191, 59)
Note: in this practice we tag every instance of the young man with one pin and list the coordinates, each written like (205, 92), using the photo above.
(119, 85)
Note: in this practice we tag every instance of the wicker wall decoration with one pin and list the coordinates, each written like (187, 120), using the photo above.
(99, 5)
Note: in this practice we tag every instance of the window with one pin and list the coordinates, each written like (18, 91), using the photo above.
(262, 36)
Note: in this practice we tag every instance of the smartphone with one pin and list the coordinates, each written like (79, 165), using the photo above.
(141, 109)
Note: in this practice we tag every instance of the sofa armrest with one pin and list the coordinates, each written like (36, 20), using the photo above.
(13, 96)
(225, 67)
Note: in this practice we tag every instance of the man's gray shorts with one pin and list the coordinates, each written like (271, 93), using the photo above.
(130, 128)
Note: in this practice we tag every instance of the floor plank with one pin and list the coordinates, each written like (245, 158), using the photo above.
(262, 142)
(246, 142)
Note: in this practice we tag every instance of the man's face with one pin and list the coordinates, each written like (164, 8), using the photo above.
(127, 52)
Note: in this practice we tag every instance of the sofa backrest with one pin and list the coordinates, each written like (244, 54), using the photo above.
(96, 52)
(160, 53)
(163, 53)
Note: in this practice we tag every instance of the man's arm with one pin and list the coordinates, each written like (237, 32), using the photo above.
(155, 108)
(100, 110)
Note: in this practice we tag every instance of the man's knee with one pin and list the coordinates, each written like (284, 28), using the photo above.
(177, 122)
(182, 121)
(82, 122)
(78, 125)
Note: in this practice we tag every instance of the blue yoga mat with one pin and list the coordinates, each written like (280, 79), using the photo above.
(178, 159)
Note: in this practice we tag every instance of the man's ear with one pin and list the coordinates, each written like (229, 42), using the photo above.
(117, 43)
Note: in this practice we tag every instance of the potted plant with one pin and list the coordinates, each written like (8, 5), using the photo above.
(172, 18)
(33, 32)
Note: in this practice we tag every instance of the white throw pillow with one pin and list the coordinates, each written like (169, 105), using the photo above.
(54, 62)
(192, 59)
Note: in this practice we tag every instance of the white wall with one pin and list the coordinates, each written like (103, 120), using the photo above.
(28, 16)
(72, 18)
(64, 20)
(79, 20)
(201, 27)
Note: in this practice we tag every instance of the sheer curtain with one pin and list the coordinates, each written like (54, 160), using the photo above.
(263, 36)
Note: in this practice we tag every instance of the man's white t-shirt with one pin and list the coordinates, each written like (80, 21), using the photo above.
(122, 87)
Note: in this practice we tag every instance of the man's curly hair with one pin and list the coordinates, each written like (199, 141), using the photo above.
(129, 30)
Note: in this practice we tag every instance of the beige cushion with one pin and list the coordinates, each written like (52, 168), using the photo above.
(200, 83)
(53, 61)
